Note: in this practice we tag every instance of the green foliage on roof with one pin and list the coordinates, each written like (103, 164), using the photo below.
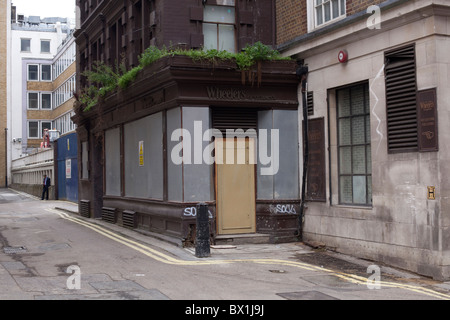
(105, 79)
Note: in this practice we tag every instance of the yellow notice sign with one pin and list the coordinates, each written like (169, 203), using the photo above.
(141, 153)
(431, 193)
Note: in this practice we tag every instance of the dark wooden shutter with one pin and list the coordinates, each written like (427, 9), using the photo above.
(401, 88)
(234, 118)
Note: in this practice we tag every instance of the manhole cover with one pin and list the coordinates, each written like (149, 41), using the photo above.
(13, 250)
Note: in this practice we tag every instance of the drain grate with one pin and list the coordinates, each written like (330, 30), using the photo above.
(13, 250)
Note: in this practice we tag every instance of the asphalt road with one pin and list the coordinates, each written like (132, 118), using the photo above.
(49, 254)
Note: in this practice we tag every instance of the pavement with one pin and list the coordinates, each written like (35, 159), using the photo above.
(290, 271)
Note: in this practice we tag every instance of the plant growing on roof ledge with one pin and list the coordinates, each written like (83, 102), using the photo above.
(104, 79)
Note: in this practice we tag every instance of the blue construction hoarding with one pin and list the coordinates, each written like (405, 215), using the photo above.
(67, 162)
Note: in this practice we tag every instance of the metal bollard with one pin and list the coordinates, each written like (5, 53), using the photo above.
(202, 242)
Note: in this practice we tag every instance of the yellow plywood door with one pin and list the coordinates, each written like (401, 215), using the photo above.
(235, 186)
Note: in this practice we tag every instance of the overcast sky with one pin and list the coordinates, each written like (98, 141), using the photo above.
(46, 8)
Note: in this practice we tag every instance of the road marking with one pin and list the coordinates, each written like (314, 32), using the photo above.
(167, 259)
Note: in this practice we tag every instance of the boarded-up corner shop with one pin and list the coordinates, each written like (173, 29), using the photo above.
(132, 178)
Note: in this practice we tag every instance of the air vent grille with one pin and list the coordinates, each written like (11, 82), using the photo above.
(109, 215)
(85, 208)
(129, 219)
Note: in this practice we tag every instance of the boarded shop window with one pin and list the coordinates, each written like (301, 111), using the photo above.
(284, 185)
(219, 28)
(174, 172)
(113, 180)
(401, 101)
(84, 160)
(197, 178)
(354, 149)
(143, 157)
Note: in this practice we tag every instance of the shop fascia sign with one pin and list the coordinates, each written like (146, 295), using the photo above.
(235, 94)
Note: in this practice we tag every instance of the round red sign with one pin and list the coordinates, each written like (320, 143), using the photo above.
(343, 56)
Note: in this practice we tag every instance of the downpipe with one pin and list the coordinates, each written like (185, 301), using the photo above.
(302, 73)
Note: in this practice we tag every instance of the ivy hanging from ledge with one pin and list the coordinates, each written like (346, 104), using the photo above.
(105, 79)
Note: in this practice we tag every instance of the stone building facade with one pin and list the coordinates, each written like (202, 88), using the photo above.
(49, 103)
(34, 100)
(377, 90)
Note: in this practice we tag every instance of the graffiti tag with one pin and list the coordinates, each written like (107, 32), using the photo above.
(192, 212)
(283, 209)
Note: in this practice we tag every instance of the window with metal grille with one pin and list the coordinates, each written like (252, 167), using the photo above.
(401, 101)
(310, 103)
(354, 148)
(234, 118)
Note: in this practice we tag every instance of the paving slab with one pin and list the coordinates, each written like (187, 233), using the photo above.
(151, 294)
(307, 295)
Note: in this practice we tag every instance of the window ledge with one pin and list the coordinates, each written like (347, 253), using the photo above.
(323, 25)
(353, 207)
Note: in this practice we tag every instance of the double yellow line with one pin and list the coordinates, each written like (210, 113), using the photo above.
(167, 259)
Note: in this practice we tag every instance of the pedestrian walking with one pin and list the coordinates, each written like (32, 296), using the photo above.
(46, 186)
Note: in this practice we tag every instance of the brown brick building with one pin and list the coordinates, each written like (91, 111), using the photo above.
(130, 169)
(292, 15)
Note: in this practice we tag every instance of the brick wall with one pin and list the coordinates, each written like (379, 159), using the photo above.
(69, 72)
(62, 109)
(291, 19)
(355, 6)
(3, 90)
(292, 16)
(46, 86)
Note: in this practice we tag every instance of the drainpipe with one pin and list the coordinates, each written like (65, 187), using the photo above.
(6, 157)
(302, 73)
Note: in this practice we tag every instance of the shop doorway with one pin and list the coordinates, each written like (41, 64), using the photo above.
(235, 185)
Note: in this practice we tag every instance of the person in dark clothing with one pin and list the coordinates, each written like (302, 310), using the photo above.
(46, 185)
